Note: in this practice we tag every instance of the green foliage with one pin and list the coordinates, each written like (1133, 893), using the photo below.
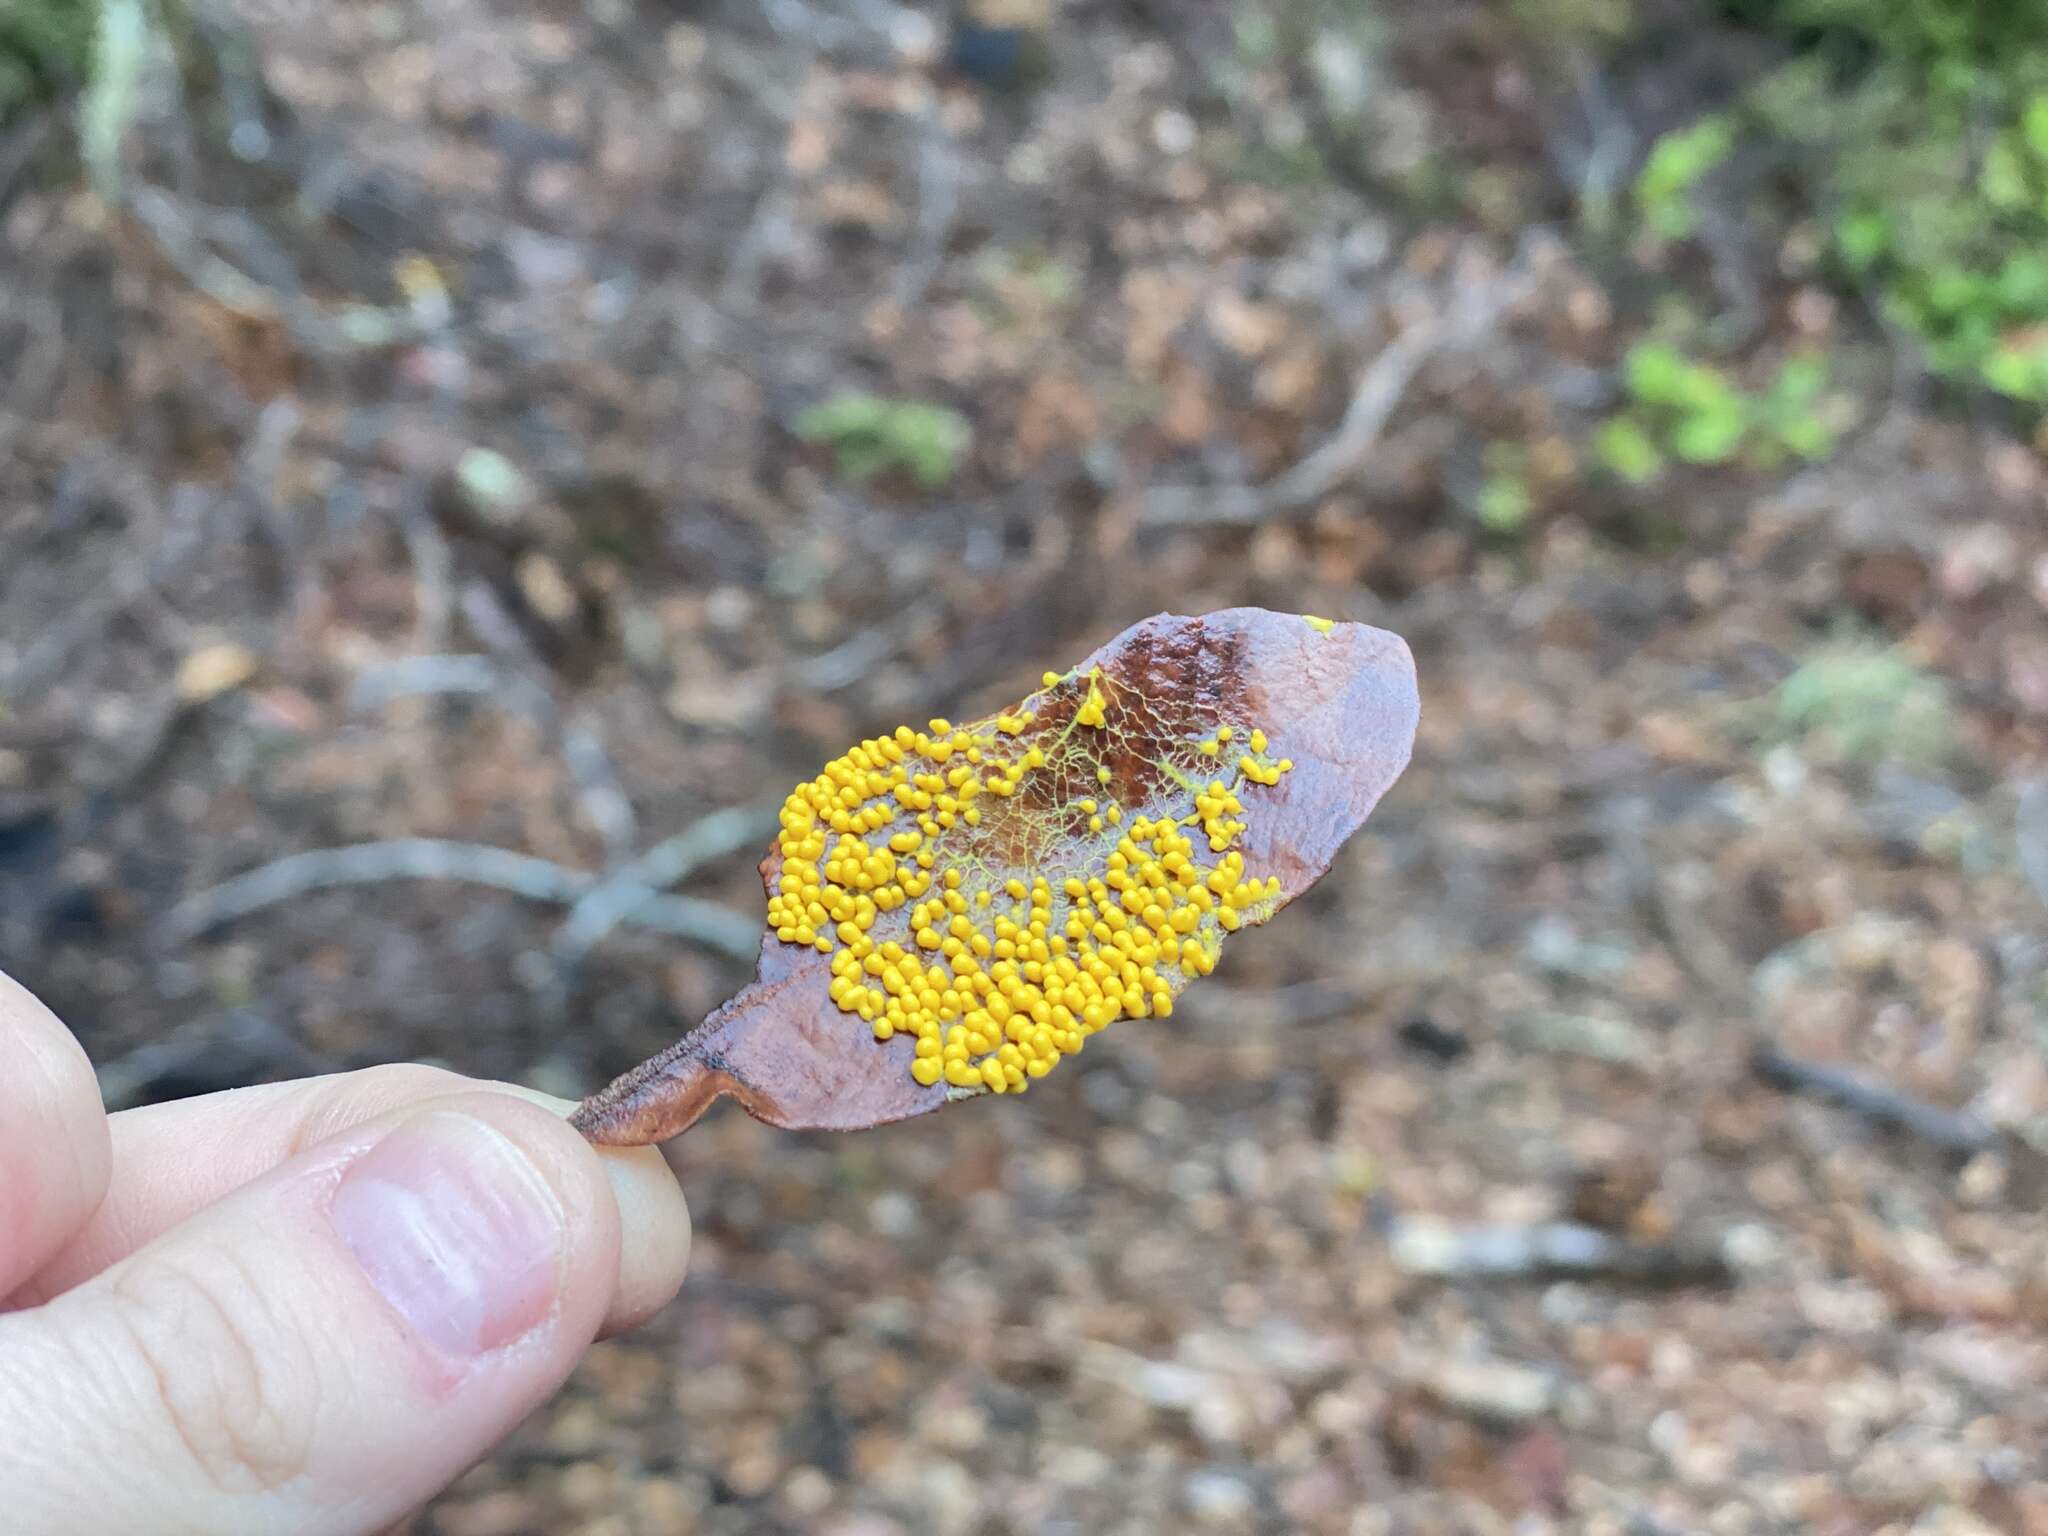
(1929, 33)
(870, 434)
(1855, 699)
(1925, 130)
(1691, 411)
(1505, 502)
(1025, 291)
(46, 47)
(1678, 162)
(1598, 22)
(1628, 451)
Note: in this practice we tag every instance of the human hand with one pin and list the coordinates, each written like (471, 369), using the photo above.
(301, 1308)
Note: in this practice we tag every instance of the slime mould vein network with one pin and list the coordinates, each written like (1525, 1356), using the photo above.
(980, 888)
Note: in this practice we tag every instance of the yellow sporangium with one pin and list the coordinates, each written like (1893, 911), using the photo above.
(1000, 944)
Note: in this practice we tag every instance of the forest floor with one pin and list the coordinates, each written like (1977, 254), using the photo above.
(1492, 1188)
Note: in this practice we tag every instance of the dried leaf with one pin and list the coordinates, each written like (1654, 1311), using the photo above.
(213, 670)
(1241, 748)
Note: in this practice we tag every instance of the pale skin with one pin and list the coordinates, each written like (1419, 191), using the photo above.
(303, 1307)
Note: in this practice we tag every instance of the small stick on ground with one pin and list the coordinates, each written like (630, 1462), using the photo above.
(1467, 320)
(629, 893)
(1960, 1135)
(1554, 1250)
(425, 858)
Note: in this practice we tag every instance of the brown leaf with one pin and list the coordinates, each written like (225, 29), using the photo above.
(213, 670)
(1334, 703)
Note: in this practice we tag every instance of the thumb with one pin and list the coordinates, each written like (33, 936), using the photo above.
(326, 1348)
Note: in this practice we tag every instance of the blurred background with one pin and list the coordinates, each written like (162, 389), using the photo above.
(461, 459)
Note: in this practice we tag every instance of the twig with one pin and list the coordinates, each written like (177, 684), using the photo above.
(426, 858)
(1440, 1250)
(411, 676)
(846, 663)
(406, 858)
(702, 922)
(1598, 167)
(598, 789)
(349, 329)
(433, 568)
(1958, 1134)
(256, 477)
(769, 231)
(771, 226)
(938, 201)
(1698, 948)
(633, 889)
(1380, 390)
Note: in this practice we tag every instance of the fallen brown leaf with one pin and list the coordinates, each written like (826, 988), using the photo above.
(213, 670)
(1338, 701)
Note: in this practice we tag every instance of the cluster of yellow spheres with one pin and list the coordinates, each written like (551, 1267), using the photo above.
(995, 976)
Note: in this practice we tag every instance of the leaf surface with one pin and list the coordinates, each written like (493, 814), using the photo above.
(1244, 746)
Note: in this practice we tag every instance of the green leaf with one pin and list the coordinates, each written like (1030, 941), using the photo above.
(1953, 289)
(1863, 238)
(1707, 391)
(1863, 701)
(1799, 382)
(1710, 437)
(2022, 284)
(1504, 504)
(1676, 164)
(1808, 436)
(2034, 126)
(1655, 374)
(842, 416)
(1660, 375)
(2015, 372)
(870, 434)
(1628, 451)
(2003, 181)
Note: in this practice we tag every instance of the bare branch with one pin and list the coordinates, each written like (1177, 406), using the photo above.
(1881, 1104)
(627, 894)
(1469, 319)
(598, 789)
(406, 858)
(702, 922)
(630, 897)
(1440, 1250)
(350, 329)
(938, 201)
(411, 676)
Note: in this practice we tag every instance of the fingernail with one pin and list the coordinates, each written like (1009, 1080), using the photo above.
(457, 1231)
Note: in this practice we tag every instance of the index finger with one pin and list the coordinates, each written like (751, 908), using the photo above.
(54, 1152)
